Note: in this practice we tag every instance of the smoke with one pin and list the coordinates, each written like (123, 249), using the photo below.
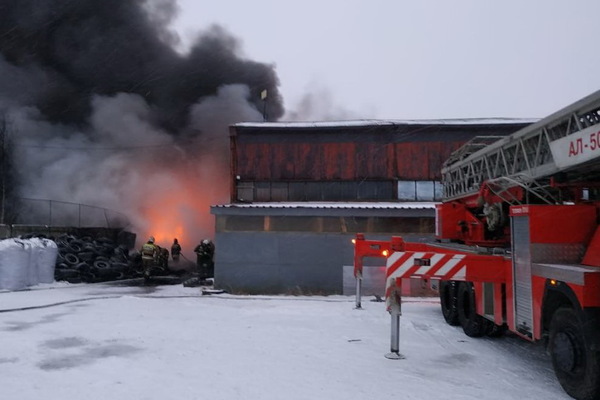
(318, 104)
(103, 111)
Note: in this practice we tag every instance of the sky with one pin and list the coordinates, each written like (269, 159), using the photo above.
(170, 342)
(85, 86)
(352, 59)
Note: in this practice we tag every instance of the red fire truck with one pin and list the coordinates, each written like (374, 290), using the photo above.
(518, 241)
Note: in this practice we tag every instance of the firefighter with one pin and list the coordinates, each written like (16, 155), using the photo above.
(205, 252)
(163, 259)
(149, 255)
(175, 250)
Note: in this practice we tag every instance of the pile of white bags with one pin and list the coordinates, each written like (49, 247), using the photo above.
(26, 262)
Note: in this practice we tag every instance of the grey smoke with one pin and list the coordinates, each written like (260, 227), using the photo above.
(102, 110)
(318, 104)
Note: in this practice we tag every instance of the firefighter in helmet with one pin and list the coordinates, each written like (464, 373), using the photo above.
(175, 250)
(149, 255)
(163, 259)
(205, 252)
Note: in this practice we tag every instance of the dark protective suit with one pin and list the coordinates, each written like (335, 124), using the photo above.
(205, 259)
(175, 251)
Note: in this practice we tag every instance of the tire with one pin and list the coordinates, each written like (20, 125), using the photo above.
(76, 246)
(82, 267)
(89, 277)
(119, 266)
(85, 255)
(101, 264)
(104, 241)
(66, 274)
(494, 330)
(576, 365)
(120, 276)
(473, 325)
(60, 258)
(448, 302)
(71, 259)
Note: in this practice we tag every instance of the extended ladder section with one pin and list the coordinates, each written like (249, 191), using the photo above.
(565, 145)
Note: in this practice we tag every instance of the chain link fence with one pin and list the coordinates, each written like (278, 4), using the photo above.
(62, 213)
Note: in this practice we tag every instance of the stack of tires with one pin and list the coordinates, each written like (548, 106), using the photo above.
(84, 259)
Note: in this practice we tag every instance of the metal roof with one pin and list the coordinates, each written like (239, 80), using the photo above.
(358, 209)
(374, 122)
(334, 204)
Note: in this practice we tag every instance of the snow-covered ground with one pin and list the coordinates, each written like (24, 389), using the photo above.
(170, 342)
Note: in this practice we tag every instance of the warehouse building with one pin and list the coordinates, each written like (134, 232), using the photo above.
(301, 191)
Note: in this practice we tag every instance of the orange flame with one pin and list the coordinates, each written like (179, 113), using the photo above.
(180, 207)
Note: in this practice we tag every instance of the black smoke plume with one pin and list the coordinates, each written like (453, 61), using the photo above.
(103, 110)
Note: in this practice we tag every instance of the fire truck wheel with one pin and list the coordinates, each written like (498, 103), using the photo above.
(473, 325)
(576, 365)
(493, 330)
(448, 302)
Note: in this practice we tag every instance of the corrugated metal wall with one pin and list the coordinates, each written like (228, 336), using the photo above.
(342, 161)
(285, 262)
(259, 252)
(374, 152)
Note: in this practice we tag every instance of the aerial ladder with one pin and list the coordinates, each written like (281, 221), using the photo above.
(517, 241)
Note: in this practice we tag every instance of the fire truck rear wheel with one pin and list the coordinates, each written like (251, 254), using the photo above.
(493, 330)
(448, 302)
(473, 325)
(576, 365)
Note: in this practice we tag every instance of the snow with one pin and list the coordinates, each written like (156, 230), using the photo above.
(100, 341)
(345, 205)
(391, 122)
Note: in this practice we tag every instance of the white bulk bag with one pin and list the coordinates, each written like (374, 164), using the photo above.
(14, 264)
(47, 260)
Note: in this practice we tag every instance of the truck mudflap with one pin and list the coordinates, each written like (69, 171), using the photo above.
(590, 318)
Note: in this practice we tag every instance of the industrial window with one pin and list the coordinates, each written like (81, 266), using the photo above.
(331, 224)
(239, 223)
(388, 225)
(245, 191)
(316, 191)
(419, 190)
(293, 224)
(356, 224)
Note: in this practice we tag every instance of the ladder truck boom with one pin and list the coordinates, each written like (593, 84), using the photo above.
(518, 242)
(566, 143)
(553, 161)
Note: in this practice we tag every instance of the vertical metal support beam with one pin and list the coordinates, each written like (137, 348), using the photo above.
(235, 178)
(3, 167)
